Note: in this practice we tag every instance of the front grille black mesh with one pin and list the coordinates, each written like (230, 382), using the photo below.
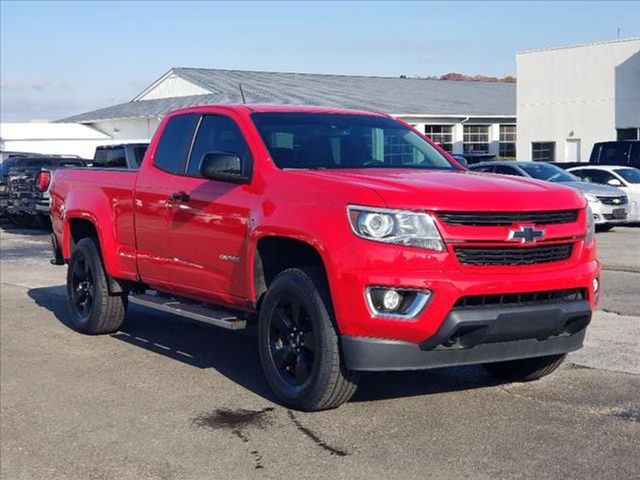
(508, 218)
(513, 256)
(517, 299)
(620, 200)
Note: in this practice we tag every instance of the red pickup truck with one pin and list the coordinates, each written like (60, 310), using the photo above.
(353, 241)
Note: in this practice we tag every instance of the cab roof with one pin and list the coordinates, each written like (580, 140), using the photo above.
(250, 108)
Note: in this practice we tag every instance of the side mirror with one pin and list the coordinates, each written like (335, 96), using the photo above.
(226, 167)
(614, 182)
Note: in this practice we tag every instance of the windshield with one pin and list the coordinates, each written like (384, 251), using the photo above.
(631, 175)
(550, 173)
(320, 140)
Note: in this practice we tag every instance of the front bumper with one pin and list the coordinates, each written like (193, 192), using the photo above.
(610, 214)
(478, 335)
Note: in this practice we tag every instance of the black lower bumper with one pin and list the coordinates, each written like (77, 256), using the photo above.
(481, 335)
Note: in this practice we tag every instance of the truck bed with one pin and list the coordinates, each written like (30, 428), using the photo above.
(108, 194)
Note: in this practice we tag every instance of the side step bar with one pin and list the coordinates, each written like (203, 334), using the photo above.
(199, 312)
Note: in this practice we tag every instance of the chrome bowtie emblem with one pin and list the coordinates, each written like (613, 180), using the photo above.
(616, 201)
(526, 234)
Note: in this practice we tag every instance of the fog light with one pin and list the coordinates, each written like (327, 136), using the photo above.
(391, 300)
(396, 302)
(596, 286)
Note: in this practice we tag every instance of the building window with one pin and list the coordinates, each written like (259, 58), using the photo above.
(628, 133)
(476, 138)
(441, 134)
(508, 141)
(543, 151)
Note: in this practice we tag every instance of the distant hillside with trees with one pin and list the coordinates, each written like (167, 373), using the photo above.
(471, 78)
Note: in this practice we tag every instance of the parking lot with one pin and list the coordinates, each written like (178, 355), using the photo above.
(168, 399)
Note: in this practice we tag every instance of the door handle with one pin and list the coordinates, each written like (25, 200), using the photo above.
(180, 196)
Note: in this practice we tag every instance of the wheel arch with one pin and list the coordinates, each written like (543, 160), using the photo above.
(276, 253)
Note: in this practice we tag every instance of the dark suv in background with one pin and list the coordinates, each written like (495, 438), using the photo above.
(621, 152)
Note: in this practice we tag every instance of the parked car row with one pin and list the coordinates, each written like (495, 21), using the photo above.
(26, 178)
(610, 204)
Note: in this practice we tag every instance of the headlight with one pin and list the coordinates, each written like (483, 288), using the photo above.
(590, 198)
(401, 227)
(591, 225)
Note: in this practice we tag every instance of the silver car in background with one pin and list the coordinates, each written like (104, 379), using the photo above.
(626, 179)
(610, 205)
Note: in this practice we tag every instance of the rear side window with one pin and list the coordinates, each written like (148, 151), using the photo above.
(175, 141)
(614, 154)
(595, 176)
(138, 154)
(217, 134)
(110, 158)
(116, 158)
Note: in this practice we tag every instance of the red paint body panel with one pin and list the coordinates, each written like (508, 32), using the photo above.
(177, 247)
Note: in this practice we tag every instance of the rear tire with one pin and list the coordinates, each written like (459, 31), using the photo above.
(93, 309)
(299, 344)
(526, 369)
(604, 228)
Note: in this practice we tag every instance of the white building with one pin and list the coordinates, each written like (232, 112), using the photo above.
(569, 98)
(51, 138)
(462, 116)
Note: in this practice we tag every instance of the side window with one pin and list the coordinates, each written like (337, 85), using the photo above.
(175, 141)
(100, 157)
(600, 176)
(220, 135)
(505, 170)
(614, 154)
(138, 154)
(116, 158)
(583, 174)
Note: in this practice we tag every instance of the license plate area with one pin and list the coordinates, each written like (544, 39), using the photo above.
(619, 213)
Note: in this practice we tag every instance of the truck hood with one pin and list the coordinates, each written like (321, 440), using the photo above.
(450, 190)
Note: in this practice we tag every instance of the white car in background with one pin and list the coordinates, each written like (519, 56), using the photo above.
(626, 179)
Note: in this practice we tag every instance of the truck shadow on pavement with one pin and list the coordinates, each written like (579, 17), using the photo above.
(235, 354)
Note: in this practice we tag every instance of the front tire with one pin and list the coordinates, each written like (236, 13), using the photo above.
(94, 310)
(526, 369)
(604, 228)
(299, 344)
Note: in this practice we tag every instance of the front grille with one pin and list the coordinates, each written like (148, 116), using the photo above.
(508, 218)
(518, 299)
(619, 200)
(513, 256)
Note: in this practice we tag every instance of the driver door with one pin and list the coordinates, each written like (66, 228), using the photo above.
(208, 227)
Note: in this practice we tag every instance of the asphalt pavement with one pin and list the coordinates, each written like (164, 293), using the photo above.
(168, 399)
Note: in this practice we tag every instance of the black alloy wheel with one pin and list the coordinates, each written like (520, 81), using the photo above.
(299, 343)
(82, 287)
(291, 341)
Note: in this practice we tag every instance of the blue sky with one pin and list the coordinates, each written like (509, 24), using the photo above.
(60, 58)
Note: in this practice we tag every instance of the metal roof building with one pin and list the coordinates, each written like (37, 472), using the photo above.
(461, 115)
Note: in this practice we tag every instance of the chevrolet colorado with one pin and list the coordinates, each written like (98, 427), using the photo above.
(353, 241)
